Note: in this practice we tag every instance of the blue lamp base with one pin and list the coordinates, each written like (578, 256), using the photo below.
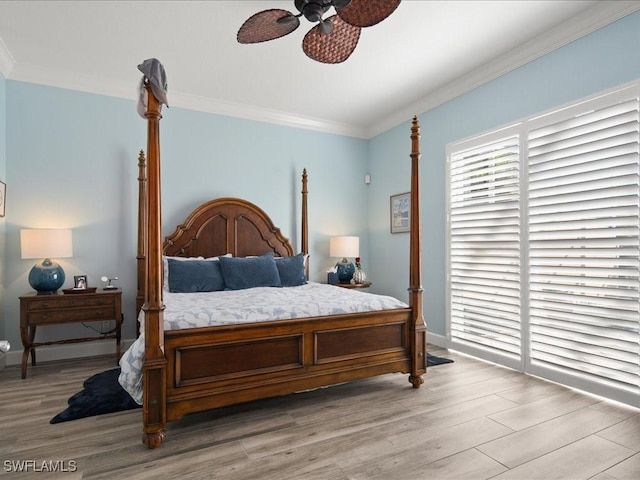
(346, 270)
(46, 277)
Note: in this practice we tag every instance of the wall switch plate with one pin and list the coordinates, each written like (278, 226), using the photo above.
(106, 326)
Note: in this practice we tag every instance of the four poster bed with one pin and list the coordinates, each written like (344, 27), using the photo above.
(183, 370)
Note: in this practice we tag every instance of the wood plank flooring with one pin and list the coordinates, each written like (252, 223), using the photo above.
(470, 420)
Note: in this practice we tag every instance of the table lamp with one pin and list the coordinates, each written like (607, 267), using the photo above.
(46, 276)
(344, 247)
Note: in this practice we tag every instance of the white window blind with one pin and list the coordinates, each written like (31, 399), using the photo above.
(485, 247)
(544, 245)
(584, 244)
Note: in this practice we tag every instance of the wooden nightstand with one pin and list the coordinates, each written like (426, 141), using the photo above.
(353, 285)
(59, 308)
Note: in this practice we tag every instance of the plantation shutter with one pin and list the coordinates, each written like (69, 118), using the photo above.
(484, 255)
(584, 246)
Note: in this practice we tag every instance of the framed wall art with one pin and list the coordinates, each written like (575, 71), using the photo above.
(399, 209)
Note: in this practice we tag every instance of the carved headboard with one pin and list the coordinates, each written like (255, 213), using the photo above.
(227, 225)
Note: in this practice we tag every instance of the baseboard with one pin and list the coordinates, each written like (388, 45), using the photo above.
(437, 340)
(51, 353)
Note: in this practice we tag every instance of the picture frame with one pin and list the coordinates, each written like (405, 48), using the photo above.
(3, 198)
(399, 210)
(80, 282)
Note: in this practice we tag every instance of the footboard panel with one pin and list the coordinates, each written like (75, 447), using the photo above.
(215, 362)
(353, 343)
(217, 366)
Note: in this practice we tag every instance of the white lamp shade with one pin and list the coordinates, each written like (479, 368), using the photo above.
(344, 247)
(46, 243)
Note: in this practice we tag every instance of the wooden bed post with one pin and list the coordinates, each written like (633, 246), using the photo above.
(419, 339)
(154, 408)
(141, 257)
(305, 220)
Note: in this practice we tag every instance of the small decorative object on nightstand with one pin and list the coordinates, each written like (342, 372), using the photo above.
(104, 278)
(344, 247)
(358, 276)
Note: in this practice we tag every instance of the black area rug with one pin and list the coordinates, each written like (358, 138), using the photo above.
(102, 394)
(432, 360)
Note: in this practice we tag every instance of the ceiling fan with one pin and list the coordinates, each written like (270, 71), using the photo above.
(333, 39)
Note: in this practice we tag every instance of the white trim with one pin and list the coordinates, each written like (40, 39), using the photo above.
(221, 107)
(109, 87)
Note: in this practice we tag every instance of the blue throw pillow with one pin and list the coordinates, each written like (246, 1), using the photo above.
(291, 270)
(195, 276)
(249, 272)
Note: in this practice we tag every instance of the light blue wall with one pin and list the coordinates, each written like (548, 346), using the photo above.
(72, 162)
(599, 61)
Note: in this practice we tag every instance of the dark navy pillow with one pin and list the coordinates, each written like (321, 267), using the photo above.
(195, 276)
(291, 270)
(249, 272)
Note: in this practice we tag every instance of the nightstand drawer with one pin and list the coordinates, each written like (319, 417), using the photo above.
(69, 316)
(62, 302)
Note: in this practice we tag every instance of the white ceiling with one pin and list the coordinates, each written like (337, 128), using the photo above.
(425, 53)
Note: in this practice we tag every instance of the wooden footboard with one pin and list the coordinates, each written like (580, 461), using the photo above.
(210, 368)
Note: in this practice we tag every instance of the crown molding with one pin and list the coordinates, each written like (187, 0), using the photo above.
(248, 112)
(596, 17)
(114, 88)
(7, 61)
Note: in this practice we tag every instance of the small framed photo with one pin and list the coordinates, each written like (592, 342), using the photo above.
(79, 282)
(399, 209)
(3, 197)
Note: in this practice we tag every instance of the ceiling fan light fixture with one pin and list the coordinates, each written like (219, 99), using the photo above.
(331, 40)
(313, 9)
(326, 26)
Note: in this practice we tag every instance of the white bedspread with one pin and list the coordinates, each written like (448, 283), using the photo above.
(189, 310)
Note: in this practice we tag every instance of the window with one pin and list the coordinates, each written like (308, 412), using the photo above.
(544, 246)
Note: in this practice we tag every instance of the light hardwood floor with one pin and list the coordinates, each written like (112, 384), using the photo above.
(470, 420)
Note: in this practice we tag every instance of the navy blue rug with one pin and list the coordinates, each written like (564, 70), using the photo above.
(432, 360)
(101, 394)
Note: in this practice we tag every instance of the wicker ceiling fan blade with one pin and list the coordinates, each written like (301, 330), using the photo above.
(335, 47)
(267, 25)
(365, 13)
